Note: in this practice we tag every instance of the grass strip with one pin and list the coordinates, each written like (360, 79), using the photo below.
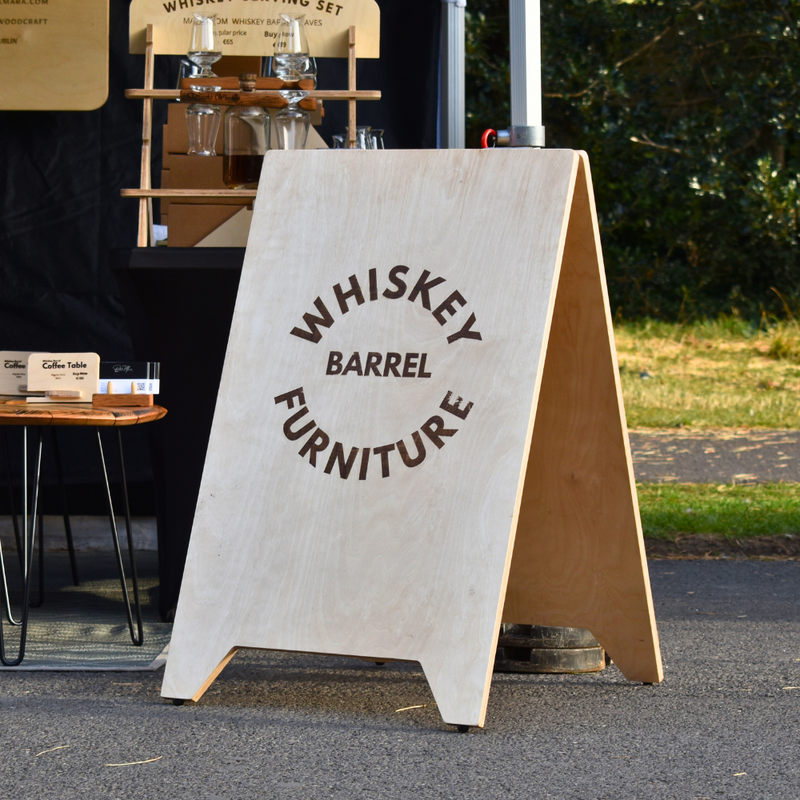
(720, 373)
(766, 509)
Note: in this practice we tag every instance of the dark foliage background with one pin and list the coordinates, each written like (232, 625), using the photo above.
(690, 114)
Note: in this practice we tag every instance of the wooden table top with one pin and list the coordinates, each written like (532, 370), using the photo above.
(21, 413)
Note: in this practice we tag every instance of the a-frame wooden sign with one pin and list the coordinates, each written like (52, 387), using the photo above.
(419, 431)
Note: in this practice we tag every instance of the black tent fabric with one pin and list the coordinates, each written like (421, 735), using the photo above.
(62, 214)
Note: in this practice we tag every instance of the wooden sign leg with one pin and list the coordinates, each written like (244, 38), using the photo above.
(578, 558)
(197, 663)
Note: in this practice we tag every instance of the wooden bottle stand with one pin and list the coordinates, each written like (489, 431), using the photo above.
(266, 95)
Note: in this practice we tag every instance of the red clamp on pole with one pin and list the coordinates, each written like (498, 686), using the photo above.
(489, 132)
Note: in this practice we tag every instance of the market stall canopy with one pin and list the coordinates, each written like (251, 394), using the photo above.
(54, 55)
(248, 28)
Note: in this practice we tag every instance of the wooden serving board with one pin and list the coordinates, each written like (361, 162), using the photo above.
(419, 430)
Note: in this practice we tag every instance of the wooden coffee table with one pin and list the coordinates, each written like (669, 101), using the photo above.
(40, 415)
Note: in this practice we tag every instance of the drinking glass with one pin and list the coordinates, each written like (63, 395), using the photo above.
(363, 137)
(292, 123)
(186, 70)
(376, 137)
(202, 125)
(291, 63)
(204, 49)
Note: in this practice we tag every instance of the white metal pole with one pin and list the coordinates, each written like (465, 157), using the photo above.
(526, 73)
(453, 121)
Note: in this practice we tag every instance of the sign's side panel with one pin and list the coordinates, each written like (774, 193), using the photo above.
(364, 462)
(579, 557)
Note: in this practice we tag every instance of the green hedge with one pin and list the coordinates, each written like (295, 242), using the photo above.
(690, 114)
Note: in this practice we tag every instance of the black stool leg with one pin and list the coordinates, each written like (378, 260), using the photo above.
(137, 640)
(40, 599)
(6, 595)
(28, 546)
(129, 529)
(17, 535)
(64, 512)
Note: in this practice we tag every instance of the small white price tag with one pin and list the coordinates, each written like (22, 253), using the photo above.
(64, 377)
(13, 371)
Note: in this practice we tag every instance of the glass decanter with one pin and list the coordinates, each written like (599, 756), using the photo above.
(246, 133)
(204, 48)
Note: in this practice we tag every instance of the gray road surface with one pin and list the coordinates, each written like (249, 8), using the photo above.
(724, 724)
(687, 456)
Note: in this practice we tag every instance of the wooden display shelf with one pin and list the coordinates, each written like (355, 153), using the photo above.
(265, 99)
(266, 95)
(319, 94)
(187, 193)
(231, 83)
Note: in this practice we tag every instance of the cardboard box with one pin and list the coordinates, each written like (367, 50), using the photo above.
(190, 219)
(198, 172)
(234, 66)
(191, 222)
(163, 202)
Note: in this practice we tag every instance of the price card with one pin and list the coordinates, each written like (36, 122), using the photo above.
(13, 371)
(64, 377)
(122, 377)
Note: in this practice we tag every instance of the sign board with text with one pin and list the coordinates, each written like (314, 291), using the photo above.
(14, 372)
(419, 418)
(249, 27)
(53, 55)
(63, 377)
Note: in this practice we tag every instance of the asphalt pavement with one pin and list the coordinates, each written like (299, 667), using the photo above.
(724, 723)
(682, 455)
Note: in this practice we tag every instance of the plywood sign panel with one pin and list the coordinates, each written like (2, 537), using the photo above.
(53, 55)
(249, 28)
(368, 455)
(579, 559)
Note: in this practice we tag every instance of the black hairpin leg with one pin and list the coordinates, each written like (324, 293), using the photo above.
(17, 537)
(14, 520)
(136, 639)
(29, 539)
(40, 598)
(64, 512)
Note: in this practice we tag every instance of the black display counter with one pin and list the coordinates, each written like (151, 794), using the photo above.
(179, 304)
